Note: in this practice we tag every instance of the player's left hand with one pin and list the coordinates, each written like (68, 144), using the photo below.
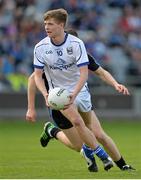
(122, 89)
(31, 115)
(46, 99)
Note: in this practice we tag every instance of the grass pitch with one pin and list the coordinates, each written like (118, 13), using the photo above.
(22, 157)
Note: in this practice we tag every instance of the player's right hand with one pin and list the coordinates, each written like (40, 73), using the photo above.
(31, 115)
(72, 97)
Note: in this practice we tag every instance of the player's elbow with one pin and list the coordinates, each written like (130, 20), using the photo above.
(31, 78)
(84, 72)
(77, 122)
(86, 75)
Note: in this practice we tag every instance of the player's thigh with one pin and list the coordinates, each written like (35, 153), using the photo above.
(73, 115)
(92, 122)
(74, 137)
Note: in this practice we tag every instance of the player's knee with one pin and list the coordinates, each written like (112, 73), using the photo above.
(101, 137)
(77, 122)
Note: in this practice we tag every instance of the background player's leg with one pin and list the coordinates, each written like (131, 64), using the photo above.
(71, 139)
(105, 140)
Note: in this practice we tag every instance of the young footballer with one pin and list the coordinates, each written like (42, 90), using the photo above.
(64, 124)
(65, 62)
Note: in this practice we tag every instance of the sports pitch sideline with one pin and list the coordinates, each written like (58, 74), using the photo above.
(22, 157)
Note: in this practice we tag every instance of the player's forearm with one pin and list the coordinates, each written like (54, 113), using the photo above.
(31, 92)
(82, 80)
(109, 79)
(106, 77)
(40, 83)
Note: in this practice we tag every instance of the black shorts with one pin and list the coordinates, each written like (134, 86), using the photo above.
(61, 121)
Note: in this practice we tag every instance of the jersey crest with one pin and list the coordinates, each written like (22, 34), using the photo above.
(69, 50)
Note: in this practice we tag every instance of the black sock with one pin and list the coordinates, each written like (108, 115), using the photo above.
(54, 132)
(120, 163)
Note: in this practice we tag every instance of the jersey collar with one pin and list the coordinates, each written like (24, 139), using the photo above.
(66, 35)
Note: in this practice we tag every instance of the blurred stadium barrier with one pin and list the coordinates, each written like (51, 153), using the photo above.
(106, 103)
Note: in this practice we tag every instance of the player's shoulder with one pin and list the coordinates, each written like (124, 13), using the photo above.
(74, 39)
(42, 43)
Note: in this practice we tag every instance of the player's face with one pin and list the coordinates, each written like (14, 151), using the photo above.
(53, 28)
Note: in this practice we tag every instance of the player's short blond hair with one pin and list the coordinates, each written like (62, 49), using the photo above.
(60, 15)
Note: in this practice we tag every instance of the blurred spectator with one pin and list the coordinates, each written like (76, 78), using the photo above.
(4, 83)
(130, 21)
(119, 3)
(118, 62)
(7, 65)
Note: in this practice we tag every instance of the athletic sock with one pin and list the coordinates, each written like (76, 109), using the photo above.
(88, 151)
(120, 163)
(53, 132)
(100, 152)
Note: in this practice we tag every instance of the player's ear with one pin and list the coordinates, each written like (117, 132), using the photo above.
(62, 25)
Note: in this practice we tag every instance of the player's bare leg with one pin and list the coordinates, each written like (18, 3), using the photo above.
(106, 141)
(64, 140)
(70, 138)
(71, 135)
(87, 136)
(103, 138)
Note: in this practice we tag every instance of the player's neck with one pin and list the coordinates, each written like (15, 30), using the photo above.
(58, 39)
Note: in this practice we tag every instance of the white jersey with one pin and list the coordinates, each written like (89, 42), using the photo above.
(61, 62)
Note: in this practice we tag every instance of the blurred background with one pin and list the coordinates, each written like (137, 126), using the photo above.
(111, 30)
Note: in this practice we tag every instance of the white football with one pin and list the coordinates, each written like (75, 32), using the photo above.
(58, 98)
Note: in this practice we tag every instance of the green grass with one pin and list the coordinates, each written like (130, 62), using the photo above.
(22, 157)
